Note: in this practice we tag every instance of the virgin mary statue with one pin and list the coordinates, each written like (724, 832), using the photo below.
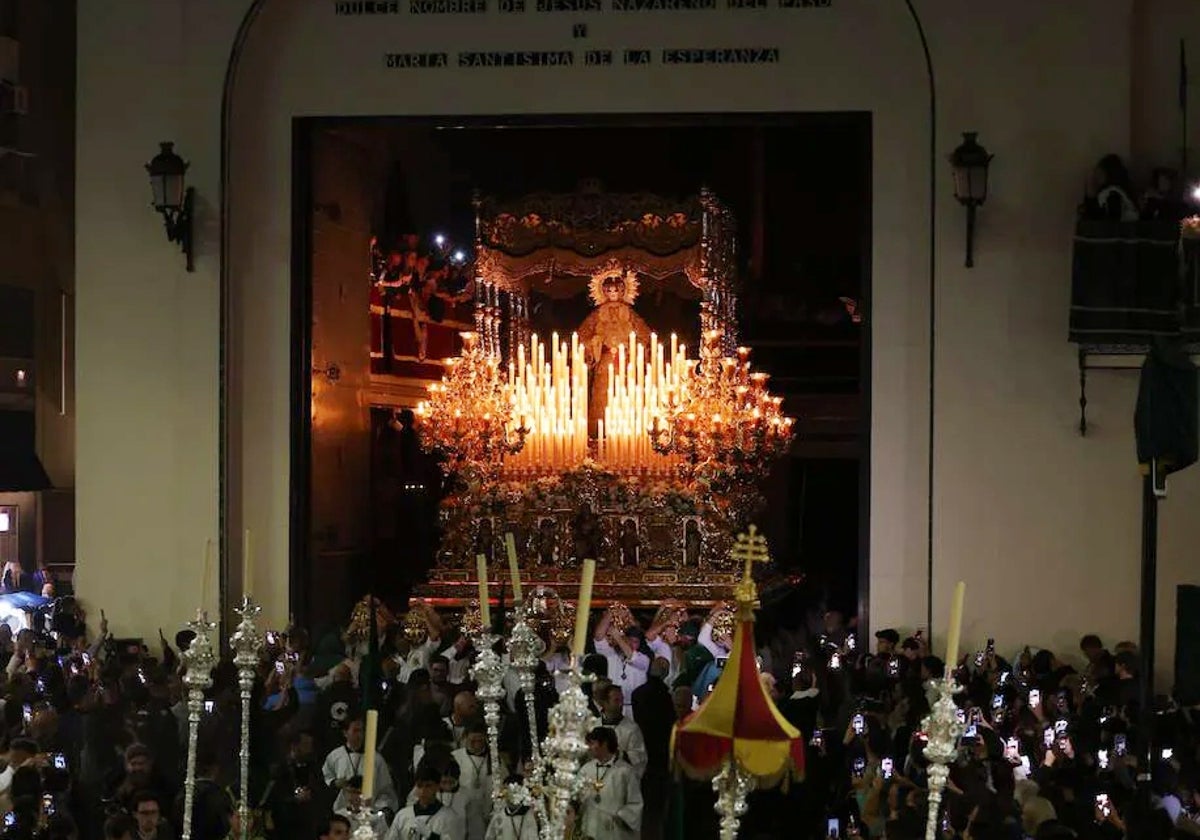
(604, 330)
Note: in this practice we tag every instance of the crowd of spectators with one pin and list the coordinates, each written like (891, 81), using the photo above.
(95, 736)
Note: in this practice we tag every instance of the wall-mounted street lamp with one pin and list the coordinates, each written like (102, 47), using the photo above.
(970, 161)
(173, 199)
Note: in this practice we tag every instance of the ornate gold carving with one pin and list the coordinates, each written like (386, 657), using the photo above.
(590, 223)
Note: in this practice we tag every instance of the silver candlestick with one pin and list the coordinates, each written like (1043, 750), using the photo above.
(488, 673)
(525, 649)
(247, 645)
(200, 658)
(732, 785)
(566, 750)
(364, 828)
(944, 730)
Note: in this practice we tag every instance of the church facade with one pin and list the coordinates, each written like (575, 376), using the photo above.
(184, 380)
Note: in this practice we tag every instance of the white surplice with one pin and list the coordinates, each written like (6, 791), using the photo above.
(475, 781)
(341, 766)
(510, 826)
(611, 801)
(409, 825)
(631, 745)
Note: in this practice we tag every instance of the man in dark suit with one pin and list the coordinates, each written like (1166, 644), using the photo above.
(654, 713)
(212, 806)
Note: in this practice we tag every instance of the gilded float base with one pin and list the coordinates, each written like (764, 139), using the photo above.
(653, 538)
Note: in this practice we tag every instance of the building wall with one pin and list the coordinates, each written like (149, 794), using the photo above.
(1042, 524)
(37, 250)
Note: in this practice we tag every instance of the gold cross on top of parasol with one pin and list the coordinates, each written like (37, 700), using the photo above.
(750, 548)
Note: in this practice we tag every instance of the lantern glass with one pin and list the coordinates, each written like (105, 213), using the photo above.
(168, 191)
(970, 162)
(971, 183)
(167, 178)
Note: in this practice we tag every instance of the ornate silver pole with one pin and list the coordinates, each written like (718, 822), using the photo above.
(247, 645)
(566, 749)
(944, 730)
(363, 828)
(525, 650)
(488, 673)
(732, 785)
(200, 659)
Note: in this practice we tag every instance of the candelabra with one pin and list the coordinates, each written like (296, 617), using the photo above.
(468, 416)
(727, 427)
(200, 659)
(247, 645)
(732, 785)
(565, 750)
(488, 673)
(943, 728)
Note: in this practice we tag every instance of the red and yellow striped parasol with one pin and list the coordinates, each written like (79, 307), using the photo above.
(738, 722)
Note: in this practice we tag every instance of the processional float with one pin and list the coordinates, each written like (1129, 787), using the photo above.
(635, 434)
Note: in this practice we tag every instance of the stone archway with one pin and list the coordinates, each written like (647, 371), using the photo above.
(305, 62)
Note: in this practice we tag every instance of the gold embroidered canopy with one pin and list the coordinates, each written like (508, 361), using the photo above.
(544, 237)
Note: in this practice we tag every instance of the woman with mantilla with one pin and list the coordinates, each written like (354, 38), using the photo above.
(605, 330)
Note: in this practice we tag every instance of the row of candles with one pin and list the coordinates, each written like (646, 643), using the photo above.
(550, 401)
(640, 392)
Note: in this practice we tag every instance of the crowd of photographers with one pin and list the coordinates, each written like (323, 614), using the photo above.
(1049, 751)
(95, 738)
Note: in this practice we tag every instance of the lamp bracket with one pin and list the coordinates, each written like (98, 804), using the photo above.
(179, 223)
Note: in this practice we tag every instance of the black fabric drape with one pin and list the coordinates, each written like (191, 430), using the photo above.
(1166, 417)
(1125, 282)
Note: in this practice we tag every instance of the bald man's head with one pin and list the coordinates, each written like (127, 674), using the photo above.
(465, 706)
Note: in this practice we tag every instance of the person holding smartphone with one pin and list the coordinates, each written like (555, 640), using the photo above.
(803, 703)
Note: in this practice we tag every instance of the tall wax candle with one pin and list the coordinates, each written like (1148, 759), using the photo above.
(368, 761)
(956, 614)
(583, 608)
(514, 569)
(485, 609)
(206, 586)
(247, 567)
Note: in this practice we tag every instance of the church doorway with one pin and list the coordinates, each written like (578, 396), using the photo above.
(385, 262)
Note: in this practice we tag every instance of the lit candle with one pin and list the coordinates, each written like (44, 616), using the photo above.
(514, 569)
(485, 609)
(368, 760)
(956, 613)
(582, 608)
(247, 567)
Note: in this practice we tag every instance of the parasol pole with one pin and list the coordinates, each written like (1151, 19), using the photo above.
(732, 785)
